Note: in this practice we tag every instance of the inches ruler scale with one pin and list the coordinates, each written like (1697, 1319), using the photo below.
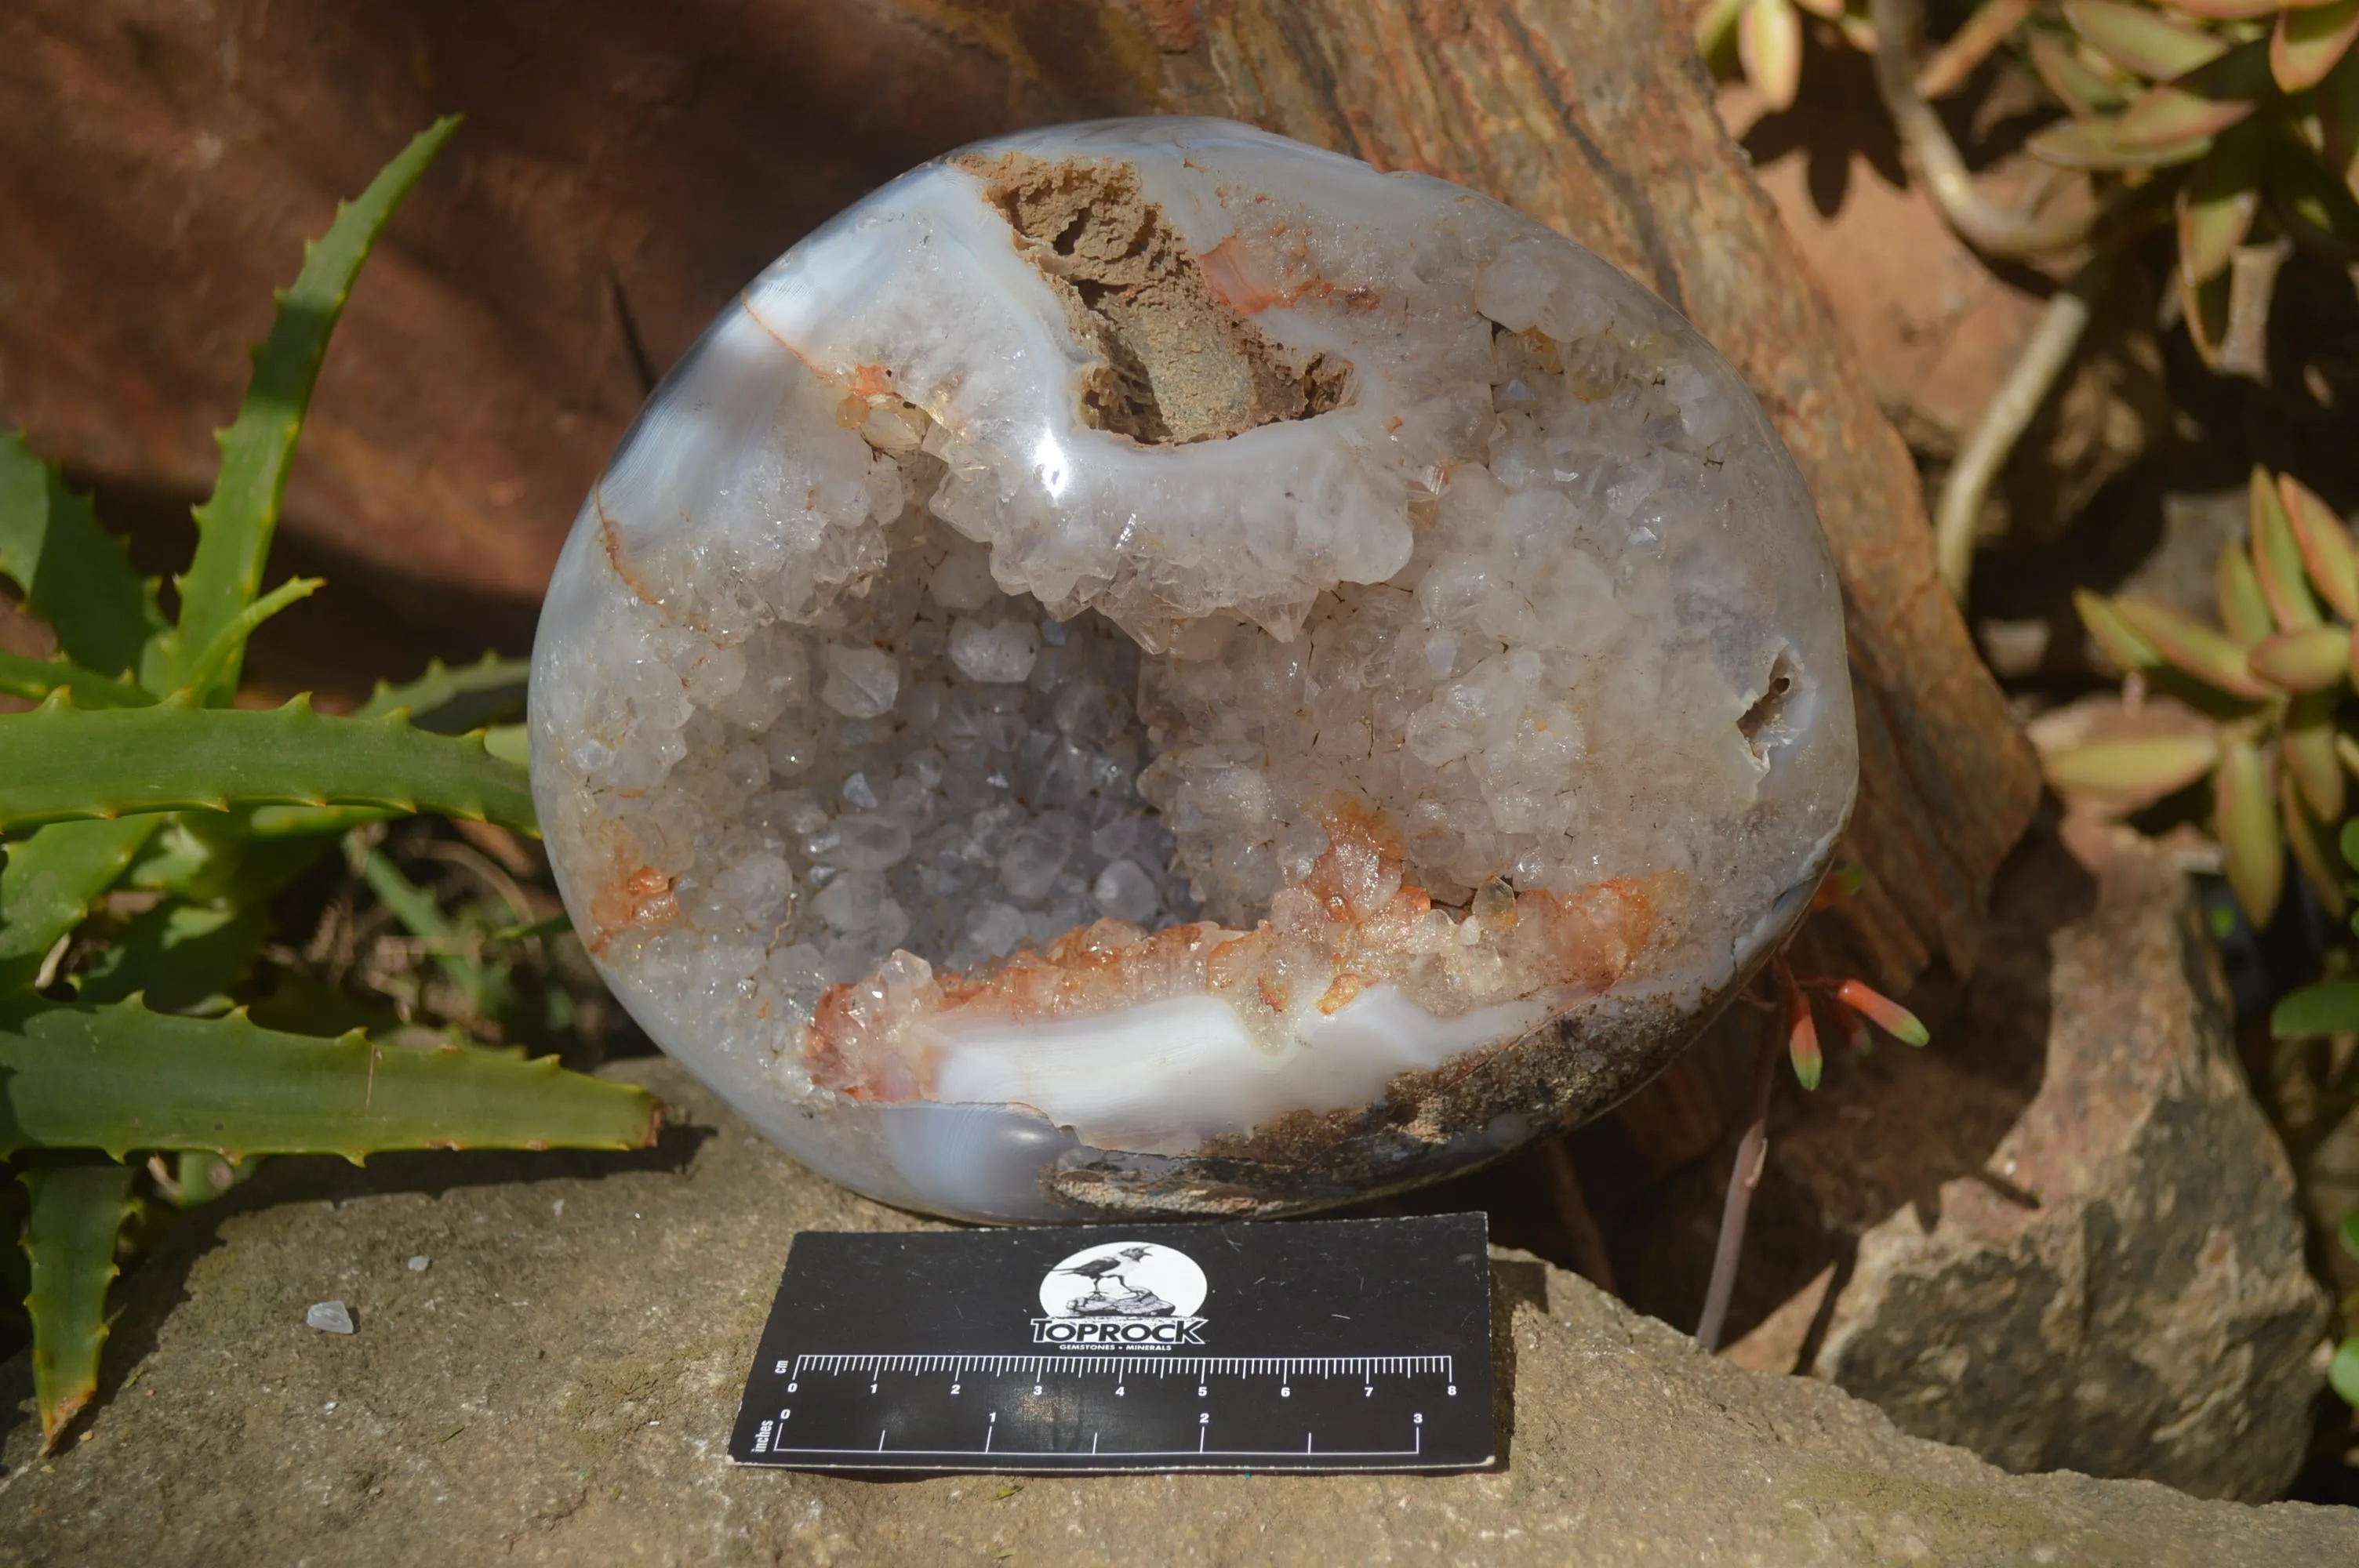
(1319, 1346)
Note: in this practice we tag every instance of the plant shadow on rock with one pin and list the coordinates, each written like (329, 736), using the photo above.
(1839, 117)
(1884, 1130)
(2157, 530)
(149, 1295)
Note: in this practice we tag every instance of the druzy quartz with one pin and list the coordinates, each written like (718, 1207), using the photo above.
(1150, 669)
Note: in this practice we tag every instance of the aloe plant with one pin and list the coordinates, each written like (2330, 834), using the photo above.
(135, 774)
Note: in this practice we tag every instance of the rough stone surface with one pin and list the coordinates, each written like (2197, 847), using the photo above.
(557, 1389)
(2110, 1278)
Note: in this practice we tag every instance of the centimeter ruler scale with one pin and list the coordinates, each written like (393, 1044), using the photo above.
(1339, 1345)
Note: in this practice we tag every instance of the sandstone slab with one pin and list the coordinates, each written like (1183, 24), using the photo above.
(555, 1385)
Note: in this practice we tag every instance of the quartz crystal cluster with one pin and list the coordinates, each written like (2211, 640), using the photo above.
(1148, 668)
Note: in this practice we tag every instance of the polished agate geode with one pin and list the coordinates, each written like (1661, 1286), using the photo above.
(1148, 669)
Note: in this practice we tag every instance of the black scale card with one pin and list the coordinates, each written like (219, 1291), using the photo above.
(1330, 1345)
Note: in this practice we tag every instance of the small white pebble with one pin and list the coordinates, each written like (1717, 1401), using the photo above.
(328, 1409)
(329, 1317)
(418, 1264)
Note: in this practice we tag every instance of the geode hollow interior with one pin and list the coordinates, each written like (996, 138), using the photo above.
(1149, 669)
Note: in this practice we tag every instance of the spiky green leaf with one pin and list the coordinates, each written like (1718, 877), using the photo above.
(202, 1176)
(52, 880)
(76, 1212)
(67, 763)
(510, 743)
(2309, 41)
(236, 525)
(182, 957)
(36, 678)
(453, 701)
(227, 649)
(75, 575)
(121, 1077)
(311, 821)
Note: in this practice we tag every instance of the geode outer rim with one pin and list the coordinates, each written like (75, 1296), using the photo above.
(1582, 1059)
(1570, 1068)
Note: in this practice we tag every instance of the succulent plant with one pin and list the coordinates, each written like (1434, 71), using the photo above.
(2243, 114)
(1763, 39)
(2269, 678)
(135, 776)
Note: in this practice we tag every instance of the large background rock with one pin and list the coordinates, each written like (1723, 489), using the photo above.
(2064, 1235)
(558, 1386)
(627, 167)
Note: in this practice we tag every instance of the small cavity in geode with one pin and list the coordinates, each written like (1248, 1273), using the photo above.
(1180, 364)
